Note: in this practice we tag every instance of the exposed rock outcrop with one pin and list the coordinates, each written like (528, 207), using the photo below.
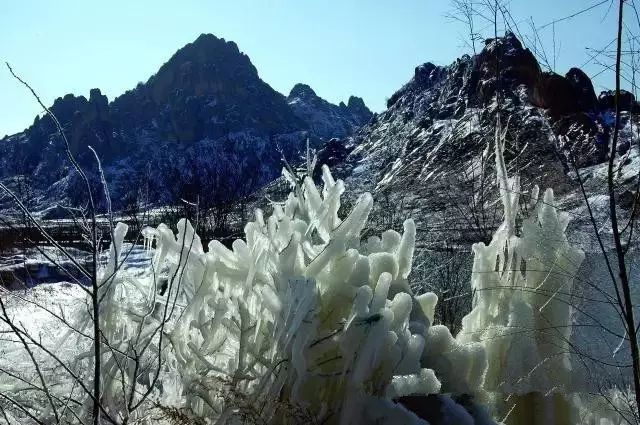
(586, 95)
(606, 101)
(324, 119)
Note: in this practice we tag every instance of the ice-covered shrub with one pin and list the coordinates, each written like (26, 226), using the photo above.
(614, 407)
(522, 310)
(301, 313)
(130, 323)
(301, 320)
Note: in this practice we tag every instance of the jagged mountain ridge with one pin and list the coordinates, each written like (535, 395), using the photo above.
(430, 154)
(326, 119)
(206, 105)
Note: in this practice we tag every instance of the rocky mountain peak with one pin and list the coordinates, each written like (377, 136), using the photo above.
(206, 110)
(302, 91)
(508, 45)
(356, 105)
(503, 64)
(96, 96)
(628, 102)
(208, 66)
(324, 118)
(587, 100)
(426, 74)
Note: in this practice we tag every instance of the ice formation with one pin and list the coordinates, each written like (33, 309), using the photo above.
(299, 320)
(302, 312)
(522, 286)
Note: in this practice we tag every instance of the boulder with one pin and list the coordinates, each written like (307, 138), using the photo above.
(426, 74)
(332, 154)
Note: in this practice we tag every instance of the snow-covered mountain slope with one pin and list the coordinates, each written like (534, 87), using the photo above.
(431, 153)
(206, 110)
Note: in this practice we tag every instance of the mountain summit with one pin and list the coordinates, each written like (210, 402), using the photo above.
(209, 89)
(201, 121)
(325, 119)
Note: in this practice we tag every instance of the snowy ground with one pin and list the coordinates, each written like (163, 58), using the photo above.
(33, 310)
(48, 312)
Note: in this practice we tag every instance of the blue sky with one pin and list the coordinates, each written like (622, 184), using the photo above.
(339, 47)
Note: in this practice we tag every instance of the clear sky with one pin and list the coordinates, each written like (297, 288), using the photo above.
(339, 47)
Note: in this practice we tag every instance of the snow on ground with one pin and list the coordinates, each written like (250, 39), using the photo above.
(49, 313)
(33, 310)
(36, 308)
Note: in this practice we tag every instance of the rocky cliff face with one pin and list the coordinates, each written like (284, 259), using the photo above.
(204, 115)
